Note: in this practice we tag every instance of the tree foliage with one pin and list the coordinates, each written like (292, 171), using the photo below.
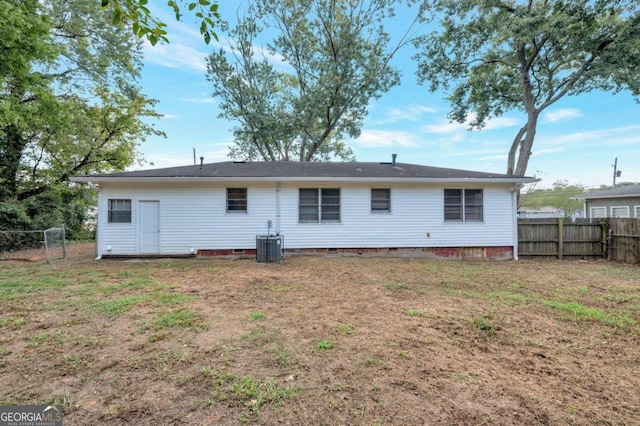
(69, 103)
(492, 56)
(145, 24)
(558, 196)
(310, 87)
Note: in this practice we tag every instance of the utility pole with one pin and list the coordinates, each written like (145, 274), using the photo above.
(616, 172)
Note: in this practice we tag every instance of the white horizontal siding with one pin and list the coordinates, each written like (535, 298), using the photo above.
(416, 210)
(194, 216)
(190, 217)
(120, 238)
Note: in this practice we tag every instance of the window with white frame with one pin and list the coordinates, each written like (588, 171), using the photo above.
(236, 200)
(620, 211)
(119, 211)
(380, 200)
(597, 212)
(637, 211)
(463, 205)
(319, 205)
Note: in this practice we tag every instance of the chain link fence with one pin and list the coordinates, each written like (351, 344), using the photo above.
(49, 244)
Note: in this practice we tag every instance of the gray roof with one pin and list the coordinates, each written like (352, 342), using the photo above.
(291, 170)
(619, 192)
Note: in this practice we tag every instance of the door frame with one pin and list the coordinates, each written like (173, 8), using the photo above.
(140, 219)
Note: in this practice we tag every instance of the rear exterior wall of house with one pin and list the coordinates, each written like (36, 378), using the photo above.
(194, 217)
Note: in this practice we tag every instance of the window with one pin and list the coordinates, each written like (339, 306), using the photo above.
(236, 200)
(597, 212)
(463, 205)
(119, 211)
(319, 205)
(637, 211)
(380, 200)
(620, 211)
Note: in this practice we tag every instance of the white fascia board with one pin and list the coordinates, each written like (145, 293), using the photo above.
(112, 179)
(600, 197)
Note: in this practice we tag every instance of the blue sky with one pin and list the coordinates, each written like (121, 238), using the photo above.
(577, 139)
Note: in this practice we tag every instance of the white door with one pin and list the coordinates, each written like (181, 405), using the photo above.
(149, 227)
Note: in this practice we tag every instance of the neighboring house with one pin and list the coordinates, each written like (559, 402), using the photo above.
(623, 201)
(547, 213)
(350, 207)
(543, 213)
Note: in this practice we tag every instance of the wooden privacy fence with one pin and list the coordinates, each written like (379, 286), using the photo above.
(612, 239)
(623, 240)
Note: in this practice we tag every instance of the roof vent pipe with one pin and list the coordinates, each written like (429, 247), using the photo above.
(201, 161)
(393, 159)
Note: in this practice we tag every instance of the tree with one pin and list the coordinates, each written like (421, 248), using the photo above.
(492, 56)
(311, 88)
(559, 196)
(145, 24)
(68, 100)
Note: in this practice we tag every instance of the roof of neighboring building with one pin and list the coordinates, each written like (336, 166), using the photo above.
(619, 192)
(293, 170)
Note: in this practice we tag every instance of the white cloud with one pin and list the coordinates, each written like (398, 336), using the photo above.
(170, 116)
(494, 157)
(413, 112)
(203, 100)
(445, 128)
(625, 135)
(561, 115)
(175, 55)
(383, 139)
(547, 151)
(501, 123)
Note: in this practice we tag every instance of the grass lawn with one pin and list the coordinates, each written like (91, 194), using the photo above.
(318, 340)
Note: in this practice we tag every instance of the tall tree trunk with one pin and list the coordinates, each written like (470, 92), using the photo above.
(526, 135)
(526, 145)
(517, 141)
(13, 144)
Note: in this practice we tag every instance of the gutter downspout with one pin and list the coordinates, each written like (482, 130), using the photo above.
(514, 209)
(98, 250)
(278, 189)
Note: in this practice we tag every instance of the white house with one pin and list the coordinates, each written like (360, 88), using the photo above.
(348, 207)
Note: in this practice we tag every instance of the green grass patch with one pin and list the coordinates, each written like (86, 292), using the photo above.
(324, 345)
(12, 322)
(507, 297)
(257, 316)
(172, 299)
(579, 312)
(57, 338)
(248, 391)
(183, 318)
(373, 361)
(141, 283)
(115, 307)
(396, 286)
(346, 329)
(414, 313)
(31, 283)
(483, 324)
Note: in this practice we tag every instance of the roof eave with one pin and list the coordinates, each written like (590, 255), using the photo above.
(600, 197)
(210, 179)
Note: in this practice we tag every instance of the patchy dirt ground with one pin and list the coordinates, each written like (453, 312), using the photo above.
(317, 340)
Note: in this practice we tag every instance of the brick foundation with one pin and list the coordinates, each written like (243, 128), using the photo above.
(454, 253)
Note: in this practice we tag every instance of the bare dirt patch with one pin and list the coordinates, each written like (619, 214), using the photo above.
(316, 340)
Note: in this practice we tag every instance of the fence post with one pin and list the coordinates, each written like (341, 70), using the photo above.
(560, 237)
(605, 240)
